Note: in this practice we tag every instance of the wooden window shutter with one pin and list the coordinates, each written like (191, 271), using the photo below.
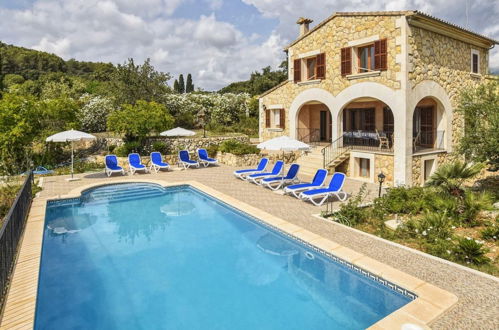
(380, 55)
(267, 118)
(346, 61)
(297, 70)
(321, 66)
(282, 118)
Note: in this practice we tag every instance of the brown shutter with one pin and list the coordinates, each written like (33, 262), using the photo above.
(297, 70)
(282, 118)
(321, 66)
(380, 54)
(267, 118)
(346, 61)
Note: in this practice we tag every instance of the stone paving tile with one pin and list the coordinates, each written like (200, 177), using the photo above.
(478, 305)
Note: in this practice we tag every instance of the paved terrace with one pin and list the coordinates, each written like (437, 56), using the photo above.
(478, 304)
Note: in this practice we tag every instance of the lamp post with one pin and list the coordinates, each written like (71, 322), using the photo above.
(381, 179)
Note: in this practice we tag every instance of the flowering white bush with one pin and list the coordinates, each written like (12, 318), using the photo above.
(224, 109)
(93, 114)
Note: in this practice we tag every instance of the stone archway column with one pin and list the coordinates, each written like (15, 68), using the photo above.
(402, 141)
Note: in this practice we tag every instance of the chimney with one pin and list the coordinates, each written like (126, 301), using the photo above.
(304, 25)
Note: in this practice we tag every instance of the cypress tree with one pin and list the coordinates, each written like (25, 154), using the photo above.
(175, 86)
(181, 84)
(189, 87)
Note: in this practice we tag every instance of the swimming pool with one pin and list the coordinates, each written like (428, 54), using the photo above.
(139, 256)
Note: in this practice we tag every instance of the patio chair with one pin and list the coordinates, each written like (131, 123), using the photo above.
(185, 161)
(204, 159)
(112, 166)
(135, 164)
(157, 162)
(240, 174)
(334, 189)
(277, 182)
(317, 182)
(384, 141)
(276, 170)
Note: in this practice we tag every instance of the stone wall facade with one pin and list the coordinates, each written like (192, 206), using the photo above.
(329, 39)
(385, 164)
(422, 66)
(446, 61)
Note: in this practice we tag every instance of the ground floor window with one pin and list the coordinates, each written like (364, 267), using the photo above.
(364, 168)
(428, 168)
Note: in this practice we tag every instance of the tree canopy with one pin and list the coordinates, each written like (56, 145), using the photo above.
(259, 82)
(480, 109)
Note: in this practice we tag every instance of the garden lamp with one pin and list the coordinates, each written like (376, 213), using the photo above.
(381, 179)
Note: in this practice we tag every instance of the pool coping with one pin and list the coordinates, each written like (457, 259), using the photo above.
(19, 311)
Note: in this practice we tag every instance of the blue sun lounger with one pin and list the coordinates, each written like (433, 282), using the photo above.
(40, 170)
(277, 182)
(317, 182)
(112, 165)
(185, 161)
(276, 170)
(334, 189)
(204, 159)
(157, 162)
(135, 164)
(260, 168)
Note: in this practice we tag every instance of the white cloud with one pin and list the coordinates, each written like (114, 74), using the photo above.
(214, 51)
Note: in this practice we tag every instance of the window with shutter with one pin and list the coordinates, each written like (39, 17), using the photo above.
(282, 119)
(321, 66)
(346, 61)
(267, 118)
(297, 70)
(380, 55)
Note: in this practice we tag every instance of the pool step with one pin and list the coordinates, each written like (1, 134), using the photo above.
(122, 193)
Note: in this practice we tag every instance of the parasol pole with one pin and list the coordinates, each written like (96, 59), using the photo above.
(72, 159)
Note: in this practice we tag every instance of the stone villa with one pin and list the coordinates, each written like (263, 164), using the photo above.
(376, 92)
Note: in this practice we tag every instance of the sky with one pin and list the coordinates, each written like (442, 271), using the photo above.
(217, 41)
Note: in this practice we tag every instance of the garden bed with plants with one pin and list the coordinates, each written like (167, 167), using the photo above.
(445, 218)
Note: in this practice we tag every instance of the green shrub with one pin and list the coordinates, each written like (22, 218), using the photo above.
(161, 147)
(111, 148)
(471, 252)
(127, 148)
(238, 148)
(351, 213)
(432, 227)
(7, 196)
(403, 200)
(491, 232)
(212, 150)
(472, 205)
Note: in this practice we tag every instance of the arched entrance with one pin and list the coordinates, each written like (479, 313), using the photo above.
(366, 124)
(314, 123)
(428, 126)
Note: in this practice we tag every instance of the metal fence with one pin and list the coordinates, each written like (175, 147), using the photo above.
(10, 234)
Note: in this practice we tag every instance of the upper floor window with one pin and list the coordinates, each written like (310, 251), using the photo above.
(366, 58)
(310, 68)
(475, 61)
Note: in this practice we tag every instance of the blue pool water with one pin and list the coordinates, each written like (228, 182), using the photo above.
(137, 256)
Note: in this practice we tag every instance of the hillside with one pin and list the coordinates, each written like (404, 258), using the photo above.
(259, 82)
(31, 64)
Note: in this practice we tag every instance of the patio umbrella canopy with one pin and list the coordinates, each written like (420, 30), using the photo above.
(70, 136)
(284, 143)
(178, 131)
